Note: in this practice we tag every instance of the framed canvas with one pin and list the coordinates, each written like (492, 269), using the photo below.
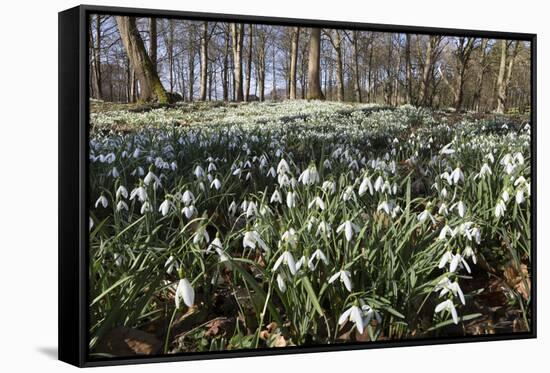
(235, 186)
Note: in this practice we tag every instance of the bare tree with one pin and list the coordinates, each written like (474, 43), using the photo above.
(356, 77)
(151, 88)
(314, 66)
(295, 37)
(433, 50)
(249, 63)
(335, 37)
(408, 69)
(483, 68)
(462, 54)
(204, 61)
(507, 59)
(237, 38)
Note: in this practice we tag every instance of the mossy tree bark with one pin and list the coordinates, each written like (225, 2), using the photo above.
(151, 88)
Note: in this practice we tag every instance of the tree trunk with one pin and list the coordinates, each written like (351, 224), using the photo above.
(225, 71)
(356, 78)
(314, 66)
(97, 59)
(273, 77)
(249, 64)
(170, 51)
(408, 69)
(151, 88)
(153, 41)
(204, 61)
(294, 61)
(505, 73)
(337, 43)
(426, 72)
(483, 66)
(237, 34)
(191, 63)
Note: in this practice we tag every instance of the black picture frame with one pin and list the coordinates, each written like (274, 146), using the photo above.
(73, 182)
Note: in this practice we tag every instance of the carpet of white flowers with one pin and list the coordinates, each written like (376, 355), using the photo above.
(301, 223)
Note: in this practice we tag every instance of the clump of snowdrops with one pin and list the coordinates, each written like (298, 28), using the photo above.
(331, 220)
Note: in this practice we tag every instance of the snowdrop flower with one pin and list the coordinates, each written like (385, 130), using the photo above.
(287, 259)
(317, 201)
(185, 292)
(384, 206)
(199, 172)
(316, 257)
(271, 172)
(216, 183)
(500, 209)
(310, 176)
(323, 228)
(424, 215)
(443, 210)
(170, 265)
(461, 207)
(215, 244)
(91, 223)
(121, 205)
(446, 231)
(238, 172)
(151, 177)
(140, 193)
(165, 206)
(445, 286)
(520, 180)
(469, 253)
(146, 207)
(121, 192)
(445, 259)
(329, 187)
(447, 305)
(189, 211)
(212, 167)
(251, 239)
(348, 193)
(485, 170)
(327, 164)
(520, 197)
(138, 172)
(505, 195)
(354, 315)
(282, 167)
(344, 277)
(369, 313)
(290, 237)
(251, 209)
(447, 149)
(457, 175)
(378, 183)
(187, 198)
(348, 227)
(366, 184)
(283, 180)
(102, 200)
(281, 283)
(291, 199)
(201, 235)
(232, 208)
(458, 259)
(276, 197)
